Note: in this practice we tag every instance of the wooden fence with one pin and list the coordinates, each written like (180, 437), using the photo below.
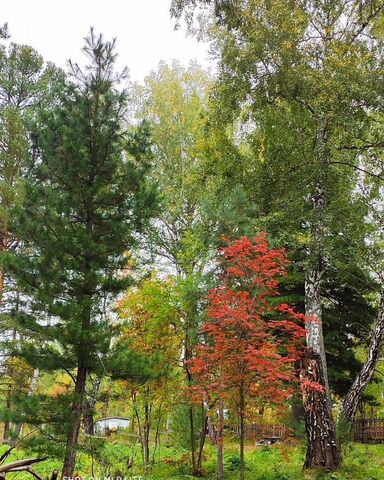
(366, 431)
(255, 432)
(369, 430)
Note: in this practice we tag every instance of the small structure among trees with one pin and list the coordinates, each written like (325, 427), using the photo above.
(108, 425)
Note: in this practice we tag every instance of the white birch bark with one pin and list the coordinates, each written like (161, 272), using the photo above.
(313, 308)
(355, 393)
(322, 450)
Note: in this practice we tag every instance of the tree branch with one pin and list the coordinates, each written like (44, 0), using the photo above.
(360, 169)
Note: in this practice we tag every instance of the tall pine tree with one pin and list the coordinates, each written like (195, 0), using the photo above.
(86, 200)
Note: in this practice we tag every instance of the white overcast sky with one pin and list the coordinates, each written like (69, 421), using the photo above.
(144, 30)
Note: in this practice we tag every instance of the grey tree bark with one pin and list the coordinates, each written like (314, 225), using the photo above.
(322, 450)
(90, 405)
(220, 441)
(75, 420)
(313, 308)
(352, 400)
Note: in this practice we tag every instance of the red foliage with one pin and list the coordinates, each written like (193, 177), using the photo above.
(251, 342)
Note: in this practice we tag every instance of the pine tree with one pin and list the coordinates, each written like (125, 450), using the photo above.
(86, 200)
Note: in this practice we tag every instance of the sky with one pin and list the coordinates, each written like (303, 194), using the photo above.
(144, 30)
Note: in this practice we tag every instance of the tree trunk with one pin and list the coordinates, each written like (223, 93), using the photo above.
(88, 419)
(146, 430)
(353, 397)
(322, 450)
(7, 424)
(139, 427)
(187, 357)
(1, 285)
(9, 376)
(157, 433)
(242, 430)
(211, 431)
(31, 391)
(220, 441)
(192, 438)
(297, 407)
(75, 421)
(89, 408)
(313, 308)
(3, 248)
(203, 434)
(132, 425)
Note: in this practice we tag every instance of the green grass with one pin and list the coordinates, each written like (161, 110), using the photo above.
(278, 462)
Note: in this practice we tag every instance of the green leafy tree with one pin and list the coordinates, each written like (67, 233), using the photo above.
(150, 327)
(25, 82)
(296, 74)
(174, 100)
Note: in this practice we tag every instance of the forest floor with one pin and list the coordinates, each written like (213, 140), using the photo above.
(277, 462)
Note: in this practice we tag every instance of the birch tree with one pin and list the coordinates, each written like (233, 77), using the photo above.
(299, 71)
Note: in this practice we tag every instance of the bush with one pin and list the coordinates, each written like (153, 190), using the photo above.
(344, 435)
(233, 463)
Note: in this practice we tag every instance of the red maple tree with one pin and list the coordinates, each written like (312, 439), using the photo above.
(250, 340)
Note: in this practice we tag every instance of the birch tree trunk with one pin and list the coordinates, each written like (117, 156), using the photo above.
(211, 431)
(313, 308)
(353, 398)
(322, 450)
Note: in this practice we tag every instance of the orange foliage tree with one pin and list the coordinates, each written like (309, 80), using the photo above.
(249, 341)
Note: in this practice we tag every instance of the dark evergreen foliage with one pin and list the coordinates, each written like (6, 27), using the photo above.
(86, 201)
